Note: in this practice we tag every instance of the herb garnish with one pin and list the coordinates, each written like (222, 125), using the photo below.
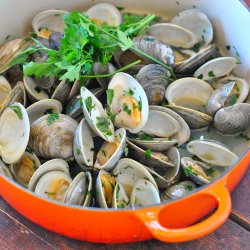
(228, 47)
(139, 189)
(51, 118)
(18, 111)
(125, 150)
(126, 109)
(188, 187)
(211, 74)
(140, 104)
(92, 149)
(189, 170)
(50, 193)
(89, 105)
(145, 137)
(78, 151)
(110, 95)
(209, 171)
(103, 125)
(148, 154)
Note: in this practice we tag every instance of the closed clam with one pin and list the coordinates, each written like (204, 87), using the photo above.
(5, 89)
(154, 80)
(52, 136)
(233, 119)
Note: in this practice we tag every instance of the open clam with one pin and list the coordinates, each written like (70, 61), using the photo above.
(96, 116)
(128, 102)
(47, 22)
(120, 198)
(111, 152)
(52, 136)
(105, 12)
(212, 153)
(83, 145)
(14, 132)
(154, 80)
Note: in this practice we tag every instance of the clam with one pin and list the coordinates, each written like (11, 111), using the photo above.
(4, 170)
(23, 170)
(123, 58)
(98, 69)
(143, 194)
(120, 198)
(58, 165)
(34, 92)
(197, 22)
(47, 22)
(105, 185)
(155, 48)
(96, 116)
(188, 97)
(111, 152)
(74, 108)
(105, 12)
(239, 92)
(14, 132)
(128, 171)
(80, 189)
(173, 35)
(233, 119)
(5, 89)
(62, 91)
(178, 190)
(43, 107)
(160, 124)
(215, 68)
(187, 60)
(218, 98)
(212, 153)
(183, 133)
(128, 102)
(52, 136)
(154, 80)
(194, 170)
(83, 145)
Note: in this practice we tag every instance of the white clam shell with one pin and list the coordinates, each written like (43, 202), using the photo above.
(128, 171)
(120, 135)
(97, 111)
(4, 170)
(215, 68)
(43, 107)
(14, 132)
(144, 193)
(83, 145)
(212, 153)
(160, 124)
(5, 89)
(105, 12)
(52, 165)
(173, 35)
(121, 83)
(120, 198)
(197, 22)
(50, 19)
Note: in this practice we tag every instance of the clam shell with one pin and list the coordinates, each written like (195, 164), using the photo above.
(178, 190)
(197, 22)
(5, 89)
(83, 145)
(14, 132)
(62, 91)
(183, 133)
(154, 80)
(105, 12)
(215, 68)
(120, 136)
(98, 69)
(173, 35)
(212, 153)
(55, 139)
(155, 48)
(52, 165)
(120, 198)
(43, 107)
(233, 119)
(143, 194)
(128, 171)
(4, 170)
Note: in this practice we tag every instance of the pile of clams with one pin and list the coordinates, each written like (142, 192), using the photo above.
(131, 140)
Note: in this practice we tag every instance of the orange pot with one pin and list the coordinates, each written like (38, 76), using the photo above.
(168, 222)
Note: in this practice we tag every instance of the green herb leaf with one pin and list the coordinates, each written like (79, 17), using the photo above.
(145, 137)
(78, 151)
(209, 171)
(211, 74)
(188, 187)
(103, 124)
(110, 95)
(51, 118)
(126, 109)
(125, 150)
(148, 154)
(18, 111)
(89, 105)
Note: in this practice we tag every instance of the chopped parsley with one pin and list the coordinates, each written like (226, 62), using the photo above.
(125, 150)
(188, 187)
(51, 118)
(110, 95)
(80, 102)
(131, 92)
(50, 193)
(103, 125)
(211, 74)
(18, 111)
(233, 99)
(139, 189)
(200, 76)
(78, 151)
(119, 8)
(140, 104)
(126, 109)
(209, 171)
(148, 154)
(228, 47)
(189, 170)
(89, 105)
(111, 116)
(29, 150)
(145, 137)
(92, 149)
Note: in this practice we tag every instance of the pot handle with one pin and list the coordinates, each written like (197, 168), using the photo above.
(218, 191)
